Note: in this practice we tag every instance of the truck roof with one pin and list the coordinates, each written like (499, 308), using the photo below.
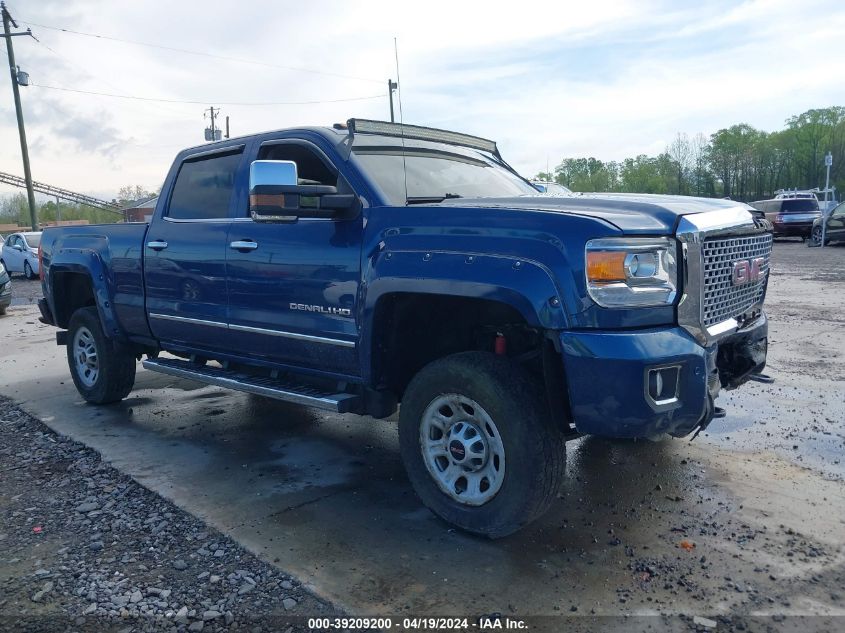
(354, 127)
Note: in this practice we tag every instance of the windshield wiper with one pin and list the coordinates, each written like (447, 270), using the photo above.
(432, 199)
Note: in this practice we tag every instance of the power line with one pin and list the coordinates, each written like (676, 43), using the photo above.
(204, 101)
(84, 70)
(202, 53)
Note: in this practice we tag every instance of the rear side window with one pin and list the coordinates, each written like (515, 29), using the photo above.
(799, 205)
(204, 187)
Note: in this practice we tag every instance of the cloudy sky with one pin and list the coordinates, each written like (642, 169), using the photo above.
(545, 79)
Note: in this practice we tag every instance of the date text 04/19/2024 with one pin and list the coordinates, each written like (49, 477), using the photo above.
(493, 622)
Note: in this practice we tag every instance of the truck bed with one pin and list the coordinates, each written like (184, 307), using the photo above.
(115, 251)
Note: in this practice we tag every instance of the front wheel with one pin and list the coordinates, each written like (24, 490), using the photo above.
(27, 271)
(816, 236)
(478, 444)
(102, 371)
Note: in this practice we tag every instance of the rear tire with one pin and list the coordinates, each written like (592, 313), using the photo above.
(102, 371)
(478, 443)
(27, 271)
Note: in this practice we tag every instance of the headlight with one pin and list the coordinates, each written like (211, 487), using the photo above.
(632, 272)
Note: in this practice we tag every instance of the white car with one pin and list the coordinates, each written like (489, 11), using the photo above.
(20, 253)
(551, 188)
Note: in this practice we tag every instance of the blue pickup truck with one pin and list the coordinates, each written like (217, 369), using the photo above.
(368, 264)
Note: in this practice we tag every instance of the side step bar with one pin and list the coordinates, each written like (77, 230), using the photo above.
(268, 387)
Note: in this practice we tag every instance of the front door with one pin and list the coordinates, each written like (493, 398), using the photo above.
(293, 287)
(12, 256)
(836, 223)
(185, 252)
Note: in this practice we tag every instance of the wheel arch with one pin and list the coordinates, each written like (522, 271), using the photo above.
(80, 281)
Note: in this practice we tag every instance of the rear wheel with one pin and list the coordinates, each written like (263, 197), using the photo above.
(816, 235)
(27, 271)
(478, 444)
(102, 371)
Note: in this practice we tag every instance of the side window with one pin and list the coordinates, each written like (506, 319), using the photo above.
(310, 167)
(204, 187)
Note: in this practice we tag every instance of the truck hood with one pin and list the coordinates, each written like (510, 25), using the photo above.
(631, 213)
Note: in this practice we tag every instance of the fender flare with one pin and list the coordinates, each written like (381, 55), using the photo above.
(525, 285)
(87, 262)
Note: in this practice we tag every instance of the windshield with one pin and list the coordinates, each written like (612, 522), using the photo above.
(436, 172)
(33, 240)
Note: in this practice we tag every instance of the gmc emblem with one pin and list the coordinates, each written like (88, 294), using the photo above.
(747, 270)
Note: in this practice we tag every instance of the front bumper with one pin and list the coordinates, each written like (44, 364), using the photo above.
(611, 378)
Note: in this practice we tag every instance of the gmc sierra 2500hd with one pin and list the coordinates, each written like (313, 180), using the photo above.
(356, 267)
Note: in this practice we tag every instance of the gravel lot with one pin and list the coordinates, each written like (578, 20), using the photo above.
(86, 547)
(25, 292)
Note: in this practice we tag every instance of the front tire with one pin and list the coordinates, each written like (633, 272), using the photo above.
(102, 371)
(478, 443)
(816, 236)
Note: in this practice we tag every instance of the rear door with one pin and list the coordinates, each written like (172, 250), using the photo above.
(799, 210)
(185, 250)
(293, 287)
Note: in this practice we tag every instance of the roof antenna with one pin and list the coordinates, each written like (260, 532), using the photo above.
(401, 119)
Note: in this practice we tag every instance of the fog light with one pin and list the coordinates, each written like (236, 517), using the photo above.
(662, 384)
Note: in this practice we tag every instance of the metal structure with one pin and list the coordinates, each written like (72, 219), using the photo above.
(828, 162)
(58, 192)
(19, 78)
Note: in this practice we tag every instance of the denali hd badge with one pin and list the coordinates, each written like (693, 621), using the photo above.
(321, 309)
(747, 270)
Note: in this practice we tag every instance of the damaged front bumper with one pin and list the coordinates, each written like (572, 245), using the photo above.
(647, 383)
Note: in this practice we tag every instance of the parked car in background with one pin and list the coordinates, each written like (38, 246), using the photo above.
(20, 253)
(835, 230)
(790, 217)
(5, 289)
(551, 188)
(818, 194)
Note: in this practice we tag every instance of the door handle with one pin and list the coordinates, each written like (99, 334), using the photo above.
(157, 245)
(243, 245)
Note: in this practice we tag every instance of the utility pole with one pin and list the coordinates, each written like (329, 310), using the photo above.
(14, 72)
(227, 126)
(828, 161)
(212, 133)
(391, 87)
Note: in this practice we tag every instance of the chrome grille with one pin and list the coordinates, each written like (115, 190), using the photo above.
(721, 299)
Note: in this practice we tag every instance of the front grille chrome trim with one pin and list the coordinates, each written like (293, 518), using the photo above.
(695, 234)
